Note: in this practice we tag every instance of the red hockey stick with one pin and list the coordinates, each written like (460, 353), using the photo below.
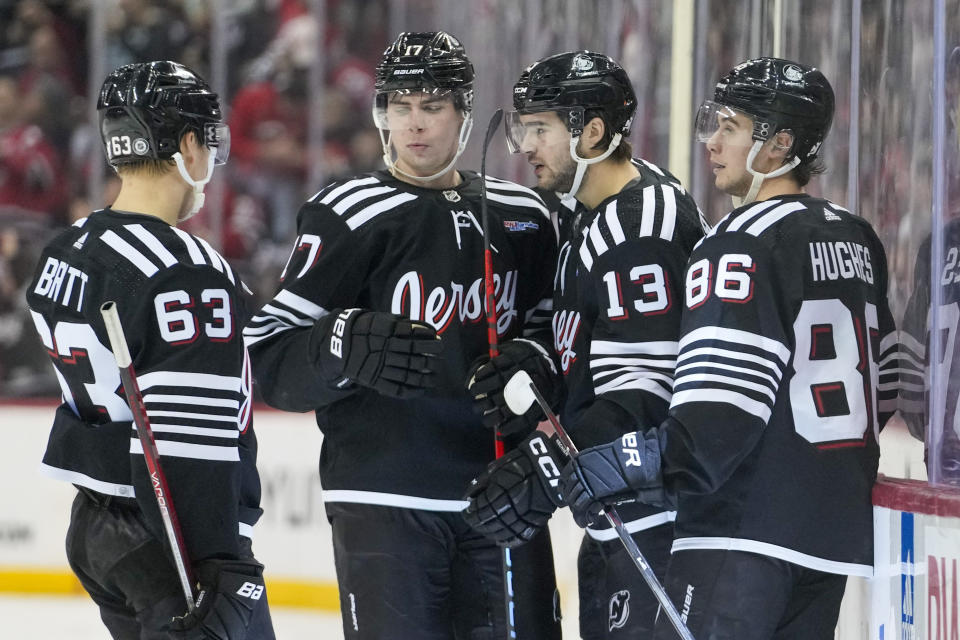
(118, 344)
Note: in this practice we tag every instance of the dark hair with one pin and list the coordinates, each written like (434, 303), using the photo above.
(806, 170)
(624, 150)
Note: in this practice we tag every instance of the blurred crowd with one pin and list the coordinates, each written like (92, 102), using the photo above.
(298, 81)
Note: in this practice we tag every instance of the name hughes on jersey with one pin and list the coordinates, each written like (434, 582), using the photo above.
(840, 260)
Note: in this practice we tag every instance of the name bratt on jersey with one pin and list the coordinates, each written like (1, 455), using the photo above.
(566, 324)
(439, 307)
(840, 260)
(50, 283)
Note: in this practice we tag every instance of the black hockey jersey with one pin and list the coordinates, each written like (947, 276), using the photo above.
(784, 378)
(618, 296)
(378, 243)
(182, 308)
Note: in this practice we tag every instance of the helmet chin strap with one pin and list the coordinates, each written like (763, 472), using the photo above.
(758, 177)
(198, 185)
(583, 162)
(465, 127)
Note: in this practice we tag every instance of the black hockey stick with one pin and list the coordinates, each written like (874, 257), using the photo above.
(520, 393)
(121, 353)
(493, 349)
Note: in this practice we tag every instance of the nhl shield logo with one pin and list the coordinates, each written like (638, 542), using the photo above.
(619, 609)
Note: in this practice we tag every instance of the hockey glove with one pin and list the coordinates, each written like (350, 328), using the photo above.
(392, 355)
(515, 496)
(625, 470)
(489, 376)
(230, 590)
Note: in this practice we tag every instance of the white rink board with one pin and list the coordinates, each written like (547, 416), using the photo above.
(293, 537)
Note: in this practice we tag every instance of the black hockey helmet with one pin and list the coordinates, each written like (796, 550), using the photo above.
(146, 108)
(779, 95)
(432, 61)
(579, 85)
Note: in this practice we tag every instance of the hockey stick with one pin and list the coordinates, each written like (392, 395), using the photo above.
(493, 349)
(121, 353)
(519, 394)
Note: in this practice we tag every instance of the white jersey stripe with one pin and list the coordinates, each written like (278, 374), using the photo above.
(344, 205)
(769, 219)
(186, 379)
(633, 382)
(216, 259)
(189, 450)
(585, 256)
(774, 551)
(127, 251)
(211, 417)
(153, 243)
(367, 214)
(654, 347)
(640, 524)
(192, 248)
(728, 380)
(665, 364)
(196, 431)
(80, 222)
(707, 361)
(647, 215)
(613, 223)
(747, 216)
(270, 311)
(346, 186)
(706, 364)
(669, 212)
(715, 396)
(518, 201)
(75, 477)
(394, 500)
(300, 304)
(596, 238)
(736, 336)
(201, 400)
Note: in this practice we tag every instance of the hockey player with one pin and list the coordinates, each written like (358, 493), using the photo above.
(379, 315)
(182, 307)
(783, 381)
(627, 231)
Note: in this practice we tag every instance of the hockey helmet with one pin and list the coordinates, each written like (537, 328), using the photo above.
(146, 108)
(432, 61)
(576, 84)
(779, 95)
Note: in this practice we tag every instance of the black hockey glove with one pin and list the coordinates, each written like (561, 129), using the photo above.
(625, 470)
(489, 376)
(229, 592)
(392, 355)
(515, 496)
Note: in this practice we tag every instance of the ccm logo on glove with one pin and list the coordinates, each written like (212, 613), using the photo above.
(336, 336)
(539, 449)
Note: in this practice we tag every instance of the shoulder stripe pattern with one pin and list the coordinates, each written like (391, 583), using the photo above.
(193, 249)
(369, 213)
(336, 192)
(127, 251)
(510, 193)
(217, 260)
(153, 243)
(730, 366)
(756, 219)
(286, 311)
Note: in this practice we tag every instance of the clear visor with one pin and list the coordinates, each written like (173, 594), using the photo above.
(723, 125)
(527, 131)
(412, 108)
(217, 138)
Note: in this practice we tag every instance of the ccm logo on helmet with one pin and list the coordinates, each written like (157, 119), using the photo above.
(336, 339)
(539, 448)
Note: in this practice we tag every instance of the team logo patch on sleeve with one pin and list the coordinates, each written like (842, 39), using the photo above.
(517, 225)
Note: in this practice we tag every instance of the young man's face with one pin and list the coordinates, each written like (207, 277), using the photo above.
(546, 141)
(728, 148)
(425, 131)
